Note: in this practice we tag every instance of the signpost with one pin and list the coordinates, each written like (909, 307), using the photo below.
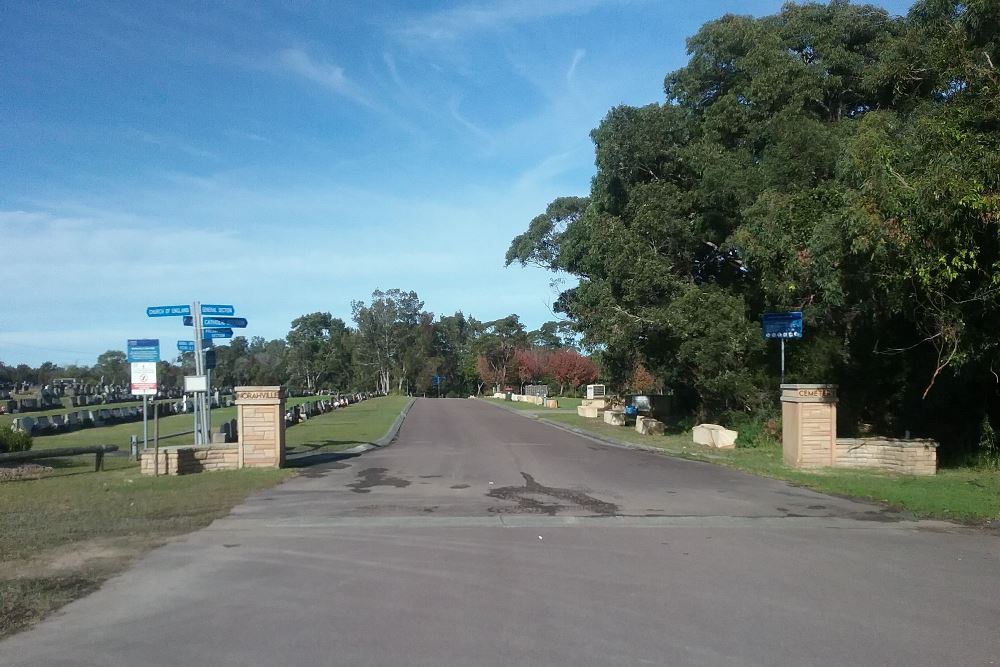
(782, 326)
(143, 354)
(217, 322)
(210, 321)
(210, 309)
(167, 311)
(217, 333)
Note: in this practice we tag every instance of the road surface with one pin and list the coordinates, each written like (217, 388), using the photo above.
(483, 537)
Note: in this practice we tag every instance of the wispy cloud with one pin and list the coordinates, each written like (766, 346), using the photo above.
(460, 21)
(248, 136)
(577, 57)
(327, 75)
(172, 143)
(454, 108)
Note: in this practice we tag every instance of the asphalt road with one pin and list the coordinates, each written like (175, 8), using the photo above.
(483, 537)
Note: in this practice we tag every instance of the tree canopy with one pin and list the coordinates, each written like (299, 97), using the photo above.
(830, 159)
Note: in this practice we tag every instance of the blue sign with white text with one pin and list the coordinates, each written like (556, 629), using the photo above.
(213, 309)
(185, 346)
(143, 349)
(167, 311)
(782, 325)
(218, 322)
(218, 333)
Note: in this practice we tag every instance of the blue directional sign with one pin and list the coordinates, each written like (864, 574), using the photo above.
(782, 325)
(185, 346)
(436, 380)
(218, 333)
(207, 343)
(211, 309)
(218, 322)
(143, 349)
(167, 311)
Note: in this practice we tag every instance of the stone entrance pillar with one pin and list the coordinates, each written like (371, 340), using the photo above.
(261, 426)
(808, 425)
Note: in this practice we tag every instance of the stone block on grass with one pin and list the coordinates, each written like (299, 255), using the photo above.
(614, 417)
(648, 426)
(714, 435)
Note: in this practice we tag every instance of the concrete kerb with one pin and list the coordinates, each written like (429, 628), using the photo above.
(384, 441)
(393, 431)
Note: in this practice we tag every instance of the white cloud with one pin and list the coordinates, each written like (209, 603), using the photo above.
(327, 75)
(577, 57)
(460, 21)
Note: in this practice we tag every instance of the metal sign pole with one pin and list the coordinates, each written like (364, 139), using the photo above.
(198, 369)
(145, 422)
(208, 406)
(782, 361)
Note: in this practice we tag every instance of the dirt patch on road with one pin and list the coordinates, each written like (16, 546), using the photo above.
(535, 498)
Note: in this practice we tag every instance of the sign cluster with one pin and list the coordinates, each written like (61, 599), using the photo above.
(210, 321)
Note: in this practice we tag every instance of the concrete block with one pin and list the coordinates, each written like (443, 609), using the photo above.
(714, 435)
(588, 411)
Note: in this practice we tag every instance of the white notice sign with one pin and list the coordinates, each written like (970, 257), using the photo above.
(144, 378)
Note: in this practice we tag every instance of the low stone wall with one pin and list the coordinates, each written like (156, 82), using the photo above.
(190, 459)
(910, 457)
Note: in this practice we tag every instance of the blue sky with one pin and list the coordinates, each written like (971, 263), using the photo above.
(289, 157)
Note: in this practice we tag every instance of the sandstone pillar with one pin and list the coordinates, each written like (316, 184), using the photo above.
(261, 426)
(809, 425)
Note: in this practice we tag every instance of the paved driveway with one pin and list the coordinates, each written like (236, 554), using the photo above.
(483, 537)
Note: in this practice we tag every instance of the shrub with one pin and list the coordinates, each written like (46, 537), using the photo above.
(989, 446)
(12, 441)
(759, 432)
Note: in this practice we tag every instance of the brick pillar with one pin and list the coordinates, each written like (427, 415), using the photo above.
(261, 426)
(809, 425)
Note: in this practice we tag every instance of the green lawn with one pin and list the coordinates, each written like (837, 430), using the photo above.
(120, 434)
(342, 429)
(969, 495)
(65, 533)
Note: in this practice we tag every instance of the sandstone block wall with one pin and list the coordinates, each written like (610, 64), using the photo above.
(261, 425)
(809, 425)
(909, 457)
(187, 460)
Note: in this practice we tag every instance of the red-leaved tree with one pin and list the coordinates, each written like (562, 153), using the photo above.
(569, 368)
(532, 364)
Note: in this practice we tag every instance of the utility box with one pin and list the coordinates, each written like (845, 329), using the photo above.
(656, 406)
(809, 425)
(595, 391)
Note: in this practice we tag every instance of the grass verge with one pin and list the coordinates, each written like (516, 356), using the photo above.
(343, 429)
(62, 535)
(968, 495)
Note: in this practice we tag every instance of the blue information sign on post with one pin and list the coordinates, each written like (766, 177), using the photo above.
(167, 311)
(185, 346)
(782, 325)
(143, 350)
(218, 322)
(215, 309)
